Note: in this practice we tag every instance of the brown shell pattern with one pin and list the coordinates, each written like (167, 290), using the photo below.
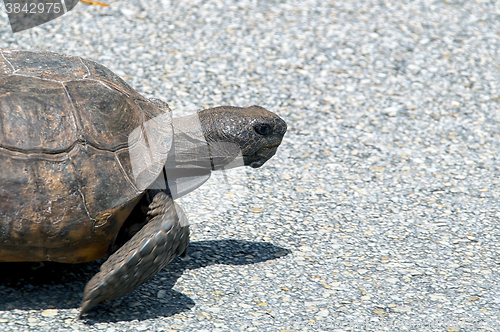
(65, 178)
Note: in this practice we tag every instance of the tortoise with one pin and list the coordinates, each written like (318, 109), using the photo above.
(90, 168)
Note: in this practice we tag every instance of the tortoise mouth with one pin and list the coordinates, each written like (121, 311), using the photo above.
(257, 164)
(260, 157)
(271, 146)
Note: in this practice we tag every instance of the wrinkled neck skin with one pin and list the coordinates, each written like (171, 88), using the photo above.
(193, 156)
(190, 148)
(194, 146)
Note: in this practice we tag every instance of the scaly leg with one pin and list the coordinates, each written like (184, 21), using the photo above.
(147, 252)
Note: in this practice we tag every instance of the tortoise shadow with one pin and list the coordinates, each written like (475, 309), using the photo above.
(48, 285)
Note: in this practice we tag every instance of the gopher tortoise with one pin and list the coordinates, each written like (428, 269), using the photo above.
(89, 168)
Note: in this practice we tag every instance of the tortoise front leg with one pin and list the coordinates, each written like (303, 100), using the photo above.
(147, 252)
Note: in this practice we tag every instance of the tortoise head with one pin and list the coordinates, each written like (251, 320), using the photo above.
(252, 131)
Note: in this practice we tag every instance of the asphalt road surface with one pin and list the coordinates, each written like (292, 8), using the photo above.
(380, 210)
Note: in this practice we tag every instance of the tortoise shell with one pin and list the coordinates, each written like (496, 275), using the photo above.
(66, 179)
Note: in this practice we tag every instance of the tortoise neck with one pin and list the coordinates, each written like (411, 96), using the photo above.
(224, 153)
(190, 147)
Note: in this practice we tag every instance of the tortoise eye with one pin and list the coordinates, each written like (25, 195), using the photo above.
(262, 129)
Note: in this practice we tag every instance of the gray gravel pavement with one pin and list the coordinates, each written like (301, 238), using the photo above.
(380, 211)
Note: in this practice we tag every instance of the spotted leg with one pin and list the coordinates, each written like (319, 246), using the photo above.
(162, 239)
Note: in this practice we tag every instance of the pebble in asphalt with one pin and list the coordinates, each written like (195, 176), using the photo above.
(380, 210)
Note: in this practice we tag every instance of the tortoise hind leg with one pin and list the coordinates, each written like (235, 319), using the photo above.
(162, 239)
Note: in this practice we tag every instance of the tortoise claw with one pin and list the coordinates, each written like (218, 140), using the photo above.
(146, 253)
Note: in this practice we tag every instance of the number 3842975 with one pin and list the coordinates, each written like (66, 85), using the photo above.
(33, 8)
